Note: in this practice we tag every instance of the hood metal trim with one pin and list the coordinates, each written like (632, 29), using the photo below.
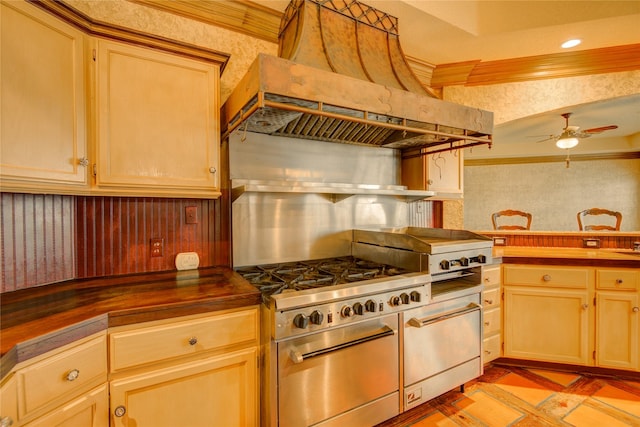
(283, 98)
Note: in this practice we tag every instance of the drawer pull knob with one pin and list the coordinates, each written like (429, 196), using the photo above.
(546, 278)
(193, 341)
(6, 421)
(487, 352)
(487, 323)
(619, 281)
(119, 411)
(73, 375)
(635, 309)
(585, 306)
(489, 301)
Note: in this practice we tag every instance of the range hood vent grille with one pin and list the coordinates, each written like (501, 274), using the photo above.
(342, 77)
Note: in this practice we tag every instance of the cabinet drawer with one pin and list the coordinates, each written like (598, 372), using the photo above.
(622, 279)
(548, 276)
(62, 375)
(491, 348)
(491, 321)
(491, 276)
(182, 338)
(491, 298)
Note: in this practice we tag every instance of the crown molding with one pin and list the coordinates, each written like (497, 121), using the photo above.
(552, 66)
(626, 155)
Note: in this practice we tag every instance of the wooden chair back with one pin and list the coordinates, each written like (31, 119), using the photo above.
(510, 212)
(597, 227)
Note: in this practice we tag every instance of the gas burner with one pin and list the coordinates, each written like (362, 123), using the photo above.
(354, 274)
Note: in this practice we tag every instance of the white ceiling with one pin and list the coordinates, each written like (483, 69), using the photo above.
(446, 31)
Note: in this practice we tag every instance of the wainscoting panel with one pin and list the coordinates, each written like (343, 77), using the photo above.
(38, 245)
(114, 234)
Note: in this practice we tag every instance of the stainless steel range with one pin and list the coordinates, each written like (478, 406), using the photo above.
(357, 339)
(357, 325)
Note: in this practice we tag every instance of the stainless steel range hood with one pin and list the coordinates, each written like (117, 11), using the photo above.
(342, 77)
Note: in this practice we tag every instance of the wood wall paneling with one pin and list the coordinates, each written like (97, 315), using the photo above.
(38, 244)
(114, 234)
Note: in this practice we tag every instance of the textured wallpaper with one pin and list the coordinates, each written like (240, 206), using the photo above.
(552, 193)
(242, 48)
(510, 101)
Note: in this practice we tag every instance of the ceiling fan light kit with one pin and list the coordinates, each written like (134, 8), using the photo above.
(566, 142)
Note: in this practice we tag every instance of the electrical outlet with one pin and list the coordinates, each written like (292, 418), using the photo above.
(191, 214)
(187, 261)
(157, 247)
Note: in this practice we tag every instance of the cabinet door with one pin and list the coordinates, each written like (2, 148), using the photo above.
(440, 172)
(43, 110)
(549, 325)
(157, 123)
(90, 410)
(218, 391)
(617, 329)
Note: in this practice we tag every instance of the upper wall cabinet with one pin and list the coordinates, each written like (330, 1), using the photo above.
(440, 172)
(43, 111)
(157, 125)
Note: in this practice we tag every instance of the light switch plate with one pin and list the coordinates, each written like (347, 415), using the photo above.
(187, 261)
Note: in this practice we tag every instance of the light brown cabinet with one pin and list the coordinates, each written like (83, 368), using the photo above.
(43, 132)
(63, 387)
(579, 315)
(492, 312)
(196, 371)
(156, 123)
(547, 314)
(440, 172)
(618, 318)
(85, 115)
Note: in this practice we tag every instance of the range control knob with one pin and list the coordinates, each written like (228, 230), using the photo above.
(370, 306)
(346, 311)
(482, 259)
(444, 264)
(404, 298)
(316, 317)
(358, 308)
(301, 321)
(415, 296)
(394, 301)
(464, 261)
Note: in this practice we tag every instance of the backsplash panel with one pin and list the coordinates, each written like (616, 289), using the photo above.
(38, 245)
(114, 234)
(52, 238)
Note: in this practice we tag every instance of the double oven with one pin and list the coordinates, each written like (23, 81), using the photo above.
(366, 311)
(358, 339)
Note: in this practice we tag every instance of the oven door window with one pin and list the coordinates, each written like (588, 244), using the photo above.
(329, 373)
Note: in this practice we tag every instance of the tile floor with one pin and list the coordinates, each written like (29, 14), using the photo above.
(519, 397)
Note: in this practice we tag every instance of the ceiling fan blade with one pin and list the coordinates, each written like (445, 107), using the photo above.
(600, 129)
(549, 138)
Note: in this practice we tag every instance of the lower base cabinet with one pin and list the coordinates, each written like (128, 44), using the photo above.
(90, 410)
(195, 371)
(618, 323)
(546, 325)
(217, 391)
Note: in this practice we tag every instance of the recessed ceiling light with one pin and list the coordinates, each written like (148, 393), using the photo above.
(571, 43)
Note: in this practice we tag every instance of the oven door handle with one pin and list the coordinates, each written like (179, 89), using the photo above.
(299, 357)
(426, 321)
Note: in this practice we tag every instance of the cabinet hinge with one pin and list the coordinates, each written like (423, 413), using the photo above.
(593, 355)
(93, 54)
(95, 170)
(594, 301)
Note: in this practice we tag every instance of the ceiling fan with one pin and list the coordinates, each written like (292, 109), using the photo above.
(571, 135)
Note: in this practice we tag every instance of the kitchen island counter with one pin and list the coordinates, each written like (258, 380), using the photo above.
(36, 320)
(568, 256)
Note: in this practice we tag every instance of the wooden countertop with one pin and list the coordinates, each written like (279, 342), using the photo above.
(36, 320)
(568, 256)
